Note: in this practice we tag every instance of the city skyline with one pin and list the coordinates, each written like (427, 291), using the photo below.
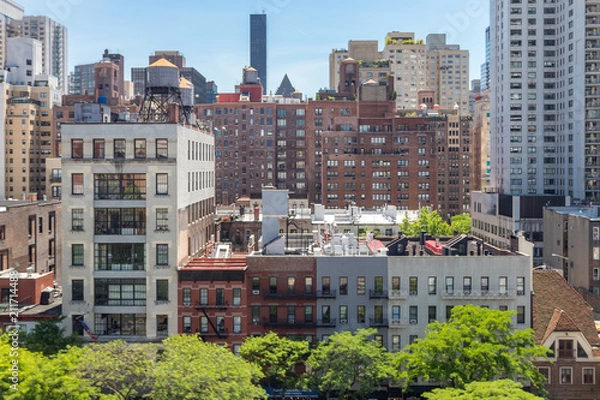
(300, 40)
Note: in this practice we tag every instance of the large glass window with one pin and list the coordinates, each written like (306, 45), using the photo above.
(119, 186)
(120, 292)
(122, 324)
(120, 221)
(120, 256)
(162, 219)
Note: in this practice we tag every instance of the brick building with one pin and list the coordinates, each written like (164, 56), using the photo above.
(212, 299)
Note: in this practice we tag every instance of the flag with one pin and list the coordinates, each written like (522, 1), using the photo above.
(87, 329)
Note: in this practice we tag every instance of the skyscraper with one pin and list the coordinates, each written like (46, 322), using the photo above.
(545, 104)
(258, 46)
(54, 44)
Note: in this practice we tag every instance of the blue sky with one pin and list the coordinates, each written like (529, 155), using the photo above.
(213, 35)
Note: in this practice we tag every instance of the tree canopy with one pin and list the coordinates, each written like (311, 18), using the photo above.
(348, 364)
(504, 389)
(433, 223)
(48, 337)
(277, 357)
(476, 344)
(190, 369)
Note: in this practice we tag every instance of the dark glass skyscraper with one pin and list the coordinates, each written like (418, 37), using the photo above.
(258, 46)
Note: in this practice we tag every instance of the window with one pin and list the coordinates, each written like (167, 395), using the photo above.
(378, 311)
(485, 283)
(237, 297)
(203, 296)
(448, 313)
(203, 324)
(120, 292)
(237, 324)
(450, 284)
(220, 296)
(565, 349)
(120, 221)
(291, 285)
(220, 324)
(162, 219)
(76, 184)
(119, 186)
(360, 314)
(396, 314)
(413, 314)
(140, 148)
(186, 296)
(467, 284)
(2, 232)
(545, 372)
(520, 314)
(396, 284)
(589, 376)
(396, 343)
(162, 290)
(272, 285)
(413, 285)
(119, 256)
(503, 285)
(162, 325)
(361, 285)
(431, 285)
(520, 285)
(76, 148)
(378, 339)
(343, 285)
(77, 219)
(255, 283)
(308, 285)
(99, 148)
(255, 315)
(566, 375)
(308, 314)
(162, 148)
(378, 286)
(326, 285)
(343, 314)
(326, 314)
(77, 255)
(162, 184)
(162, 254)
(187, 325)
(432, 313)
(77, 290)
(119, 148)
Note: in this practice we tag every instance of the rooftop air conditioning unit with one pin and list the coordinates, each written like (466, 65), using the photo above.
(256, 292)
(413, 321)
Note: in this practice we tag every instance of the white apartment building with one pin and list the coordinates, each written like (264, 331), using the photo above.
(138, 202)
(54, 44)
(9, 10)
(545, 105)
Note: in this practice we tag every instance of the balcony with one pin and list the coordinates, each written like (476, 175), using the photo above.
(399, 323)
(286, 295)
(398, 294)
(487, 295)
(326, 294)
(378, 294)
(287, 324)
(326, 322)
(379, 322)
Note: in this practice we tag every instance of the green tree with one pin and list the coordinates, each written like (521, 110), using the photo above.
(40, 377)
(190, 369)
(48, 337)
(477, 344)
(277, 357)
(121, 369)
(504, 389)
(348, 364)
(461, 224)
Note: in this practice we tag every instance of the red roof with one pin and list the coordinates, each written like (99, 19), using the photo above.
(434, 246)
(375, 245)
(230, 263)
